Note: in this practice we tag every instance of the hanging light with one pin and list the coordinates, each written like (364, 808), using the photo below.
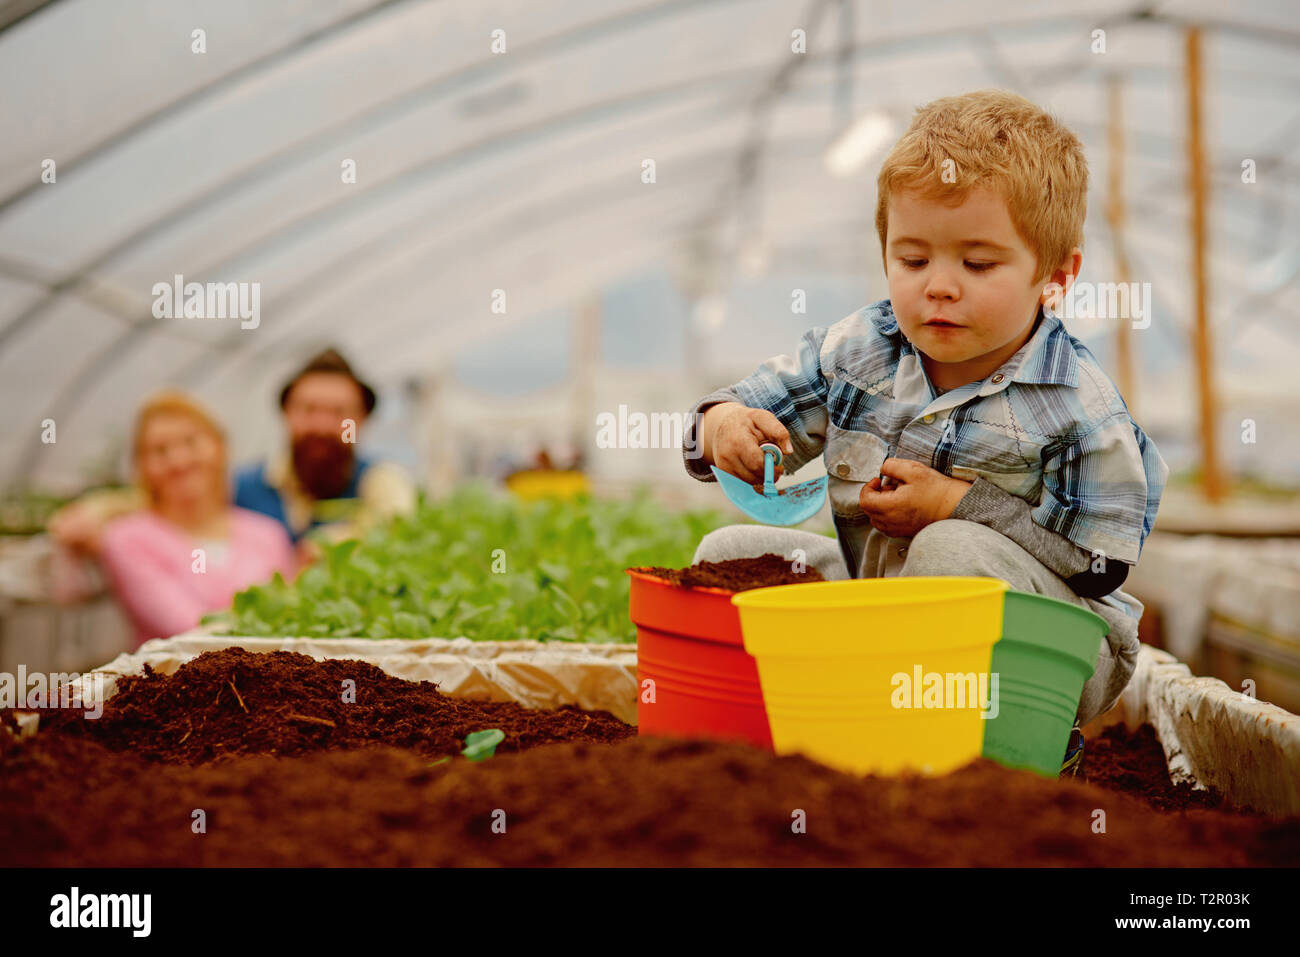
(754, 258)
(853, 148)
(710, 312)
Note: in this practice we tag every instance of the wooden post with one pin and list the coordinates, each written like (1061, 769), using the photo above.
(1212, 476)
(1115, 215)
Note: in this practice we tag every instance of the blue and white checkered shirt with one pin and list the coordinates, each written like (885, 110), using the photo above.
(1048, 426)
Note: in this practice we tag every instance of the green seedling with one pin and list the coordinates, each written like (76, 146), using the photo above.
(481, 745)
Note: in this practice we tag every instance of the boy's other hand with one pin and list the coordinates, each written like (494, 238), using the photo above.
(732, 439)
(920, 495)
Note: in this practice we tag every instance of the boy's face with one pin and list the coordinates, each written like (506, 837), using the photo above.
(961, 281)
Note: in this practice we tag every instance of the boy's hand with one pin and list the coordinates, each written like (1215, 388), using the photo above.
(730, 436)
(920, 496)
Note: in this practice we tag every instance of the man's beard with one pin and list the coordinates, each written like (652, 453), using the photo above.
(323, 464)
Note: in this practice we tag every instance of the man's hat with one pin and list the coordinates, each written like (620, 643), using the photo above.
(330, 361)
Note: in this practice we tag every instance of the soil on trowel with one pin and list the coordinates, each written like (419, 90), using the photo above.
(738, 574)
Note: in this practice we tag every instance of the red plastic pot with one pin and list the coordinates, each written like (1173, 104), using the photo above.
(688, 643)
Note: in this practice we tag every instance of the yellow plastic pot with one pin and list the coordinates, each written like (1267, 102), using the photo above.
(848, 668)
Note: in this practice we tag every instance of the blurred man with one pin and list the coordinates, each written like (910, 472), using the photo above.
(320, 480)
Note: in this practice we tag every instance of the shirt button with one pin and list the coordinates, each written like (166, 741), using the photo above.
(928, 418)
(998, 378)
(842, 470)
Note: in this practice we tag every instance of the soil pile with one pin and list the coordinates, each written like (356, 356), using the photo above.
(236, 702)
(1134, 762)
(641, 802)
(286, 771)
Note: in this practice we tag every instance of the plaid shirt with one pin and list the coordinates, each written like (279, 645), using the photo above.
(1048, 426)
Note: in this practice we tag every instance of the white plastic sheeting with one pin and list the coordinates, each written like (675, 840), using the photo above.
(596, 677)
(521, 170)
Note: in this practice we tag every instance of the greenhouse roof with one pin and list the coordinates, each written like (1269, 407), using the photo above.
(522, 170)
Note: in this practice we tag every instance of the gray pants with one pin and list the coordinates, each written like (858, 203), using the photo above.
(953, 547)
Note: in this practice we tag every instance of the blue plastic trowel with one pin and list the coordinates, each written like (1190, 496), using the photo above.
(771, 507)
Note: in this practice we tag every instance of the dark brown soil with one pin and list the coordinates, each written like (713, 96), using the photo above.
(237, 702)
(737, 574)
(642, 802)
(1134, 762)
(362, 790)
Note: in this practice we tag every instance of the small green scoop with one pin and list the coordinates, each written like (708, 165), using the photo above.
(787, 507)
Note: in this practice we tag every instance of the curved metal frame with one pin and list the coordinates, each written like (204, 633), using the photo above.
(79, 281)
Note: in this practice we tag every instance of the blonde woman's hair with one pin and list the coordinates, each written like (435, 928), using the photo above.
(1001, 141)
(175, 402)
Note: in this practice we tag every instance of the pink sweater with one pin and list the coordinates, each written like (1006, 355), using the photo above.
(152, 567)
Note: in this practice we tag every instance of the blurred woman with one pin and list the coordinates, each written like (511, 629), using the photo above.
(189, 550)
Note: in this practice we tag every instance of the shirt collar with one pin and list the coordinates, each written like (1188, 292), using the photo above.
(279, 472)
(1047, 358)
(297, 504)
(882, 314)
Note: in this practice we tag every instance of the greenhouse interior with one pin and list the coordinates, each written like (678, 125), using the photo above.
(645, 433)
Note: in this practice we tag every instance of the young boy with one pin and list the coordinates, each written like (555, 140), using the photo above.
(965, 432)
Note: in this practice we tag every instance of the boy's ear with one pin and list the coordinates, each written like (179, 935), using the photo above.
(1061, 279)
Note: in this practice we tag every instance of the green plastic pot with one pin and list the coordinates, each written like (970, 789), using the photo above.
(1048, 650)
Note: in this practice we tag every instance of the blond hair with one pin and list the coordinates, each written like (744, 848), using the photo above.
(177, 403)
(1001, 141)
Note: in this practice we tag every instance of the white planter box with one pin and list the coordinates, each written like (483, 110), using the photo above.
(1248, 750)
